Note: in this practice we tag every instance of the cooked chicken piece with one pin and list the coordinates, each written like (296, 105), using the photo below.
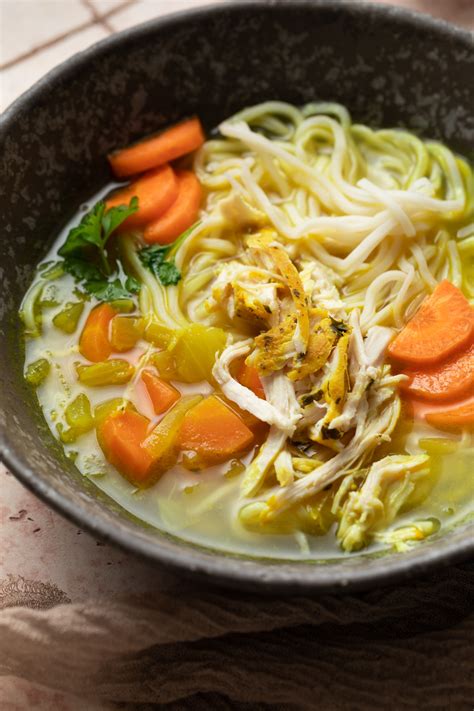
(256, 471)
(319, 283)
(388, 485)
(266, 246)
(321, 342)
(239, 213)
(244, 397)
(274, 348)
(369, 433)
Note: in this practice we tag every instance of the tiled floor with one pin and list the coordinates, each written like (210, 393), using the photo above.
(36, 35)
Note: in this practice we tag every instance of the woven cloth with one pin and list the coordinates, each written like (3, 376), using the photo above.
(409, 647)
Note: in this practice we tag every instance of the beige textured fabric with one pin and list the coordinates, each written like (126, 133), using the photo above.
(409, 647)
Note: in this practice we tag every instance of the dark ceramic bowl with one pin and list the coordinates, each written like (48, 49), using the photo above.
(390, 67)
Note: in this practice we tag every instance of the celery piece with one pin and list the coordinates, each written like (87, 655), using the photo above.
(196, 350)
(67, 436)
(165, 363)
(123, 306)
(162, 442)
(106, 408)
(37, 372)
(78, 414)
(125, 332)
(160, 336)
(67, 319)
(107, 372)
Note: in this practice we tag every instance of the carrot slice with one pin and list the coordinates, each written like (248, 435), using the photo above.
(443, 324)
(156, 191)
(120, 437)
(214, 431)
(182, 213)
(94, 343)
(162, 394)
(449, 380)
(172, 143)
(455, 418)
(248, 377)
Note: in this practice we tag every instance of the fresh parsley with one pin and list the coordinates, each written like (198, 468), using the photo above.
(159, 259)
(154, 258)
(85, 256)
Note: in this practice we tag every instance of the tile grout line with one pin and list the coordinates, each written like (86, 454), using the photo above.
(98, 19)
(70, 33)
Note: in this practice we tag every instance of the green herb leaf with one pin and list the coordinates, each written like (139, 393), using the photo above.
(114, 217)
(168, 273)
(154, 258)
(132, 285)
(105, 290)
(85, 257)
(88, 232)
(81, 270)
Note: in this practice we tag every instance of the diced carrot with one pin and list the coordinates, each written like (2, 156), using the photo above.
(182, 213)
(162, 394)
(442, 325)
(449, 380)
(213, 431)
(94, 343)
(454, 418)
(156, 192)
(172, 143)
(248, 377)
(121, 435)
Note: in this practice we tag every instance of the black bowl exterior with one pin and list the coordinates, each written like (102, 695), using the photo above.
(388, 66)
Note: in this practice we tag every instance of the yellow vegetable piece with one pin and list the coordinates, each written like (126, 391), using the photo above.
(162, 442)
(125, 332)
(196, 350)
(438, 445)
(165, 364)
(67, 319)
(78, 414)
(123, 306)
(37, 372)
(106, 408)
(160, 336)
(107, 372)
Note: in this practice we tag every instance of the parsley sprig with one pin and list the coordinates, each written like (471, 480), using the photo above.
(85, 256)
(154, 258)
(159, 259)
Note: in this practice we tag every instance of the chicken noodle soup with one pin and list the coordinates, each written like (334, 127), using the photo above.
(263, 341)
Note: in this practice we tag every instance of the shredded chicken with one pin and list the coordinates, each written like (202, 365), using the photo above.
(389, 483)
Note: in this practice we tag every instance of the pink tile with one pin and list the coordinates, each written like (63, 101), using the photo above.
(19, 77)
(144, 10)
(29, 23)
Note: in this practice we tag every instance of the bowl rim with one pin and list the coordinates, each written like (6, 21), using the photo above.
(254, 574)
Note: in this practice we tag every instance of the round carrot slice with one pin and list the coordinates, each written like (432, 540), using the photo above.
(453, 419)
(155, 150)
(182, 213)
(449, 380)
(443, 324)
(156, 191)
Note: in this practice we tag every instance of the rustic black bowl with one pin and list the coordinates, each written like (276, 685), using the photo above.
(390, 67)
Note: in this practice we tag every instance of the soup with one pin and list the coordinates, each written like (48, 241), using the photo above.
(263, 341)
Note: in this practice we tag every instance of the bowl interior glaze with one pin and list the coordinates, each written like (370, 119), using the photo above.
(388, 66)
